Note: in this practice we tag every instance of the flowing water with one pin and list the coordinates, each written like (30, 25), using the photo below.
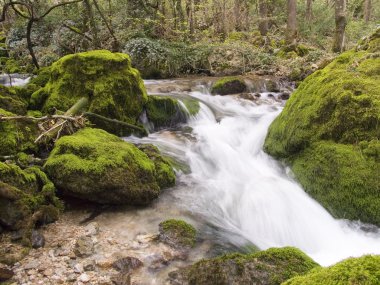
(245, 194)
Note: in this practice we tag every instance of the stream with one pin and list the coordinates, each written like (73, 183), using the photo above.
(247, 196)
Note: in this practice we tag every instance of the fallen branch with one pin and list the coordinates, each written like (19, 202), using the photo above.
(113, 121)
(35, 119)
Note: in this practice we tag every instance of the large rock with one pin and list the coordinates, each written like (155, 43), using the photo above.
(97, 166)
(329, 132)
(114, 89)
(177, 233)
(270, 267)
(362, 270)
(27, 197)
(228, 86)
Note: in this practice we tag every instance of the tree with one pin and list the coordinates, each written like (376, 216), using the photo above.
(291, 29)
(367, 10)
(263, 13)
(309, 10)
(340, 25)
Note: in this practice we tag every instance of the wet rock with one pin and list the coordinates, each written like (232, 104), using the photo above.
(127, 264)
(5, 273)
(257, 95)
(92, 229)
(122, 279)
(271, 96)
(228, 86)
(84, 247)
(285, 95)
(177, 233)
(38, 240)
(272, 86)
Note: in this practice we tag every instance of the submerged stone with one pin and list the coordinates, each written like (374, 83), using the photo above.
(329, 132)
(97, 166)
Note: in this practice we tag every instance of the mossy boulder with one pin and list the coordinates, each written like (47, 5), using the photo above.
(27, 197)
(164, 112)
(228, 86)
(329, 132)
(10, 100)
(114, 89)
(97, 166)
(352, 271)
(271, 267)
(17, 136)
(177, 233)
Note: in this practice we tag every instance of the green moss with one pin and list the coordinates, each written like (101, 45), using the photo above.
(16, 136)
(164, 173)
(352, 271)
(334, 110)
(11, 101)
(272, 266)
(114, 88)
(24, 192)
(97, 166)
(192, 105)
(177, 233)
(42, 77)
(228, 85)
(164, 112)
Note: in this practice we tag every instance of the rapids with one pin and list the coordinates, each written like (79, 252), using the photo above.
(245, 194)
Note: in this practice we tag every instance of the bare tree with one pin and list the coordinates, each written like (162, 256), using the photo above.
(367, 10)
(263, 13)
(309, 10)
(340, 25)
(291, 29)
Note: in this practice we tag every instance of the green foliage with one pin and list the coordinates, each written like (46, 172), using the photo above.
(334, 110)
(272, 266)
(352, 271)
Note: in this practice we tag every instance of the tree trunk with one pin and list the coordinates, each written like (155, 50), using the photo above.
(263, 13)
(340, 25)
(367, 10)
(92, 23)
(29, 42)
(190, 15)
(291, 30)
(309, 10)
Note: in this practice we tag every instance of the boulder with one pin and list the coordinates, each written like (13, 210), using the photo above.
(27, 198)
(228, 86)
(127, 264)
(97, 166)
(114, 89)
(177, 233)
(270, 267)
(329, 132)
(362, 270)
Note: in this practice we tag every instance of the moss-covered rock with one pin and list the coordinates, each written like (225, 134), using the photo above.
(27, 197)
(97, 166)
(352, 271)
(177, 233)
(228, 86)
(164, 173)
(114, 89)
(271, 267)
(329, 132)
(10, 100)
(17, 136)
(165, 112)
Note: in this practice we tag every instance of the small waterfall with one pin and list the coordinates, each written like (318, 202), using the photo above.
(14, 79)
(237, 187)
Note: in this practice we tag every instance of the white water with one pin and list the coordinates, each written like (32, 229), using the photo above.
(239, 188)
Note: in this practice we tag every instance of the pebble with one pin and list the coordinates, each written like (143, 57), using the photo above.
(84, 278)
(38, 239)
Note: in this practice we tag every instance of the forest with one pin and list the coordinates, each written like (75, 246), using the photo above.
(190, 142)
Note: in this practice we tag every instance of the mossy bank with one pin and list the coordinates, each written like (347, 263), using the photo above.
(329, 132)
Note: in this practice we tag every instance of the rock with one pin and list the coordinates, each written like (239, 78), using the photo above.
(127, 264)
(100, 167)
(92, 229)
(270, 267)
(31, 265)
(121, 279)
(362, 270)
(78, 268)
(228, 86)
(22, 193)
(272, 86)
(89, 265)
(329, 133)
(84, 278)
(284, 95)
(165, 112)
(5, 273)
(271, 96)
(177, 233)
(84, 247)
(38, 240)
(114, 88)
